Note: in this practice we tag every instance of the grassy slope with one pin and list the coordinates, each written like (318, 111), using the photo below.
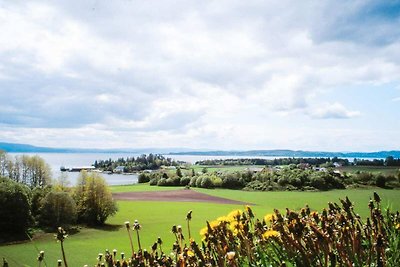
(157, 218)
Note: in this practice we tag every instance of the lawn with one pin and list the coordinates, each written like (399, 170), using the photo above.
(157, 219)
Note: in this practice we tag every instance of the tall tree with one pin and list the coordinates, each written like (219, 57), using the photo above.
(93, 199)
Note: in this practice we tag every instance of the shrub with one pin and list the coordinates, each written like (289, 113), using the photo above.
(193, 181)
(143, 178)
(232, 182)
(206, 182)
(15, 214)
(162, 182)
(185, 181)
(199, 181)
(154, 181)
(57, 209)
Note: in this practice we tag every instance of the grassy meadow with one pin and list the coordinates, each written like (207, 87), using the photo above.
(157, 219)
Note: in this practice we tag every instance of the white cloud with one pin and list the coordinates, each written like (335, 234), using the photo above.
(226, 73)
(333, 111)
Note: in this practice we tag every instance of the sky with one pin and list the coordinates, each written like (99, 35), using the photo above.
(230, 75)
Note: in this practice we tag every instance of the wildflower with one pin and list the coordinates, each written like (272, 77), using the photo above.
(203, 232)
(214, 224)
(235, 215)
(397, 226)
(269, 217)
(223, 219)
(271, 233)
(59, 262)
(114, 252)
(249, 211)
(100, 256)
(127, 225)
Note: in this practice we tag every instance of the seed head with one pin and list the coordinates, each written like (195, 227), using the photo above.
(189, 215)
(59, 262)
(127, 224)
(137, 226)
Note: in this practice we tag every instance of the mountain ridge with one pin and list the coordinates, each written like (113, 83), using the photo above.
(26, 148)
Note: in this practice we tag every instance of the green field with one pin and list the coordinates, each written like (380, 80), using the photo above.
(157, 219)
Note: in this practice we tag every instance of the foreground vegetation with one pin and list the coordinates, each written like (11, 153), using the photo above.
(241, 238)
(157, 219)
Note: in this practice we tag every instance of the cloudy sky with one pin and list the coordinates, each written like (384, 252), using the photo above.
(312, 75)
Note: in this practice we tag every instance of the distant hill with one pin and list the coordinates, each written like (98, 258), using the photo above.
(25, 148)
(294, 153)
(20, 148)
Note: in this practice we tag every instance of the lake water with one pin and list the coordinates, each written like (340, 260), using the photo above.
(56, 160)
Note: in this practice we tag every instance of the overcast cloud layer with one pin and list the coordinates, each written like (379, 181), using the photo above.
(314, 75)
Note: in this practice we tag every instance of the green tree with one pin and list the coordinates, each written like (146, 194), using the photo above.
(178, 172)
(15, 214)
(93, 199)
(57, 209)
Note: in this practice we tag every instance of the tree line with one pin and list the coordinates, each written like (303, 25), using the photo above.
(131, 164)
(389, 161)
(32, 171)
(291, 177)
(274, 162)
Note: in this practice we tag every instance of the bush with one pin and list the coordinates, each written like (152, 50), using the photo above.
(15, 214)
(185, 181)
(162, 182)
(143, 178)
(232, 182)
(57, 209)
(199, 181)
(193, 181)
(93, 199)
(154, 181)
(380, 180)
(206, 182)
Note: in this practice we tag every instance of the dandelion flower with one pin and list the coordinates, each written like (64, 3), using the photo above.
(235, 215)
(203, 232)
(214, 224)
(223, 219)
(269, 217)
(271, 233)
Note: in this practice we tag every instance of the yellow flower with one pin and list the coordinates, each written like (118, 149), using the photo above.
(190, 253)
(234, 215)
(223, 219)
(203, 232)
(271, 233)
(269, 217)
(235, 227)
(397, 226)
(214, 224)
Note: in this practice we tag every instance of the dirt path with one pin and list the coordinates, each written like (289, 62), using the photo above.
(182, 195)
